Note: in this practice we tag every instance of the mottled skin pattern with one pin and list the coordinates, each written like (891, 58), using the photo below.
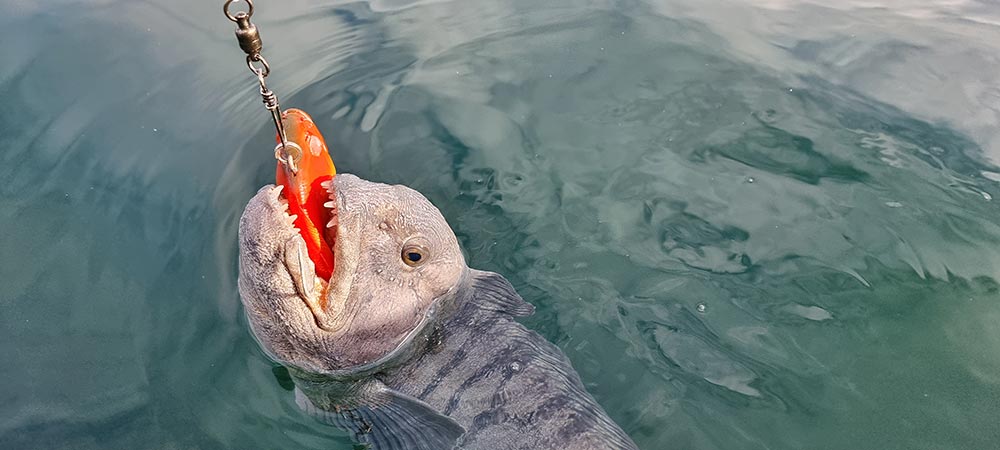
(437, 337)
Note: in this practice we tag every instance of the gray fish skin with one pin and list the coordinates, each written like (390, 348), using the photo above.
(507, 385)
(405, 356)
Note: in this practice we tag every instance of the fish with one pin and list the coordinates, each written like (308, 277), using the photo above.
(361, 290)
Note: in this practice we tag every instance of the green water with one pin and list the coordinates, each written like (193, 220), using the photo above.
(750, 225)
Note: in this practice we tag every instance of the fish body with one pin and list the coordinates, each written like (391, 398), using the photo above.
(404, 345)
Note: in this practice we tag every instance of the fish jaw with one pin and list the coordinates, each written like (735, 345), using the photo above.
(306, 190)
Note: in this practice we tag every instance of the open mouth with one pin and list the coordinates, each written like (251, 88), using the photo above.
(308, 191)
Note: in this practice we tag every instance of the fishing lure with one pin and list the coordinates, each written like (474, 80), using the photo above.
(308, 199)
(304, 163)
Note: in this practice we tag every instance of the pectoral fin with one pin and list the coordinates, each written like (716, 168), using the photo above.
(385, 419)
(495, 293)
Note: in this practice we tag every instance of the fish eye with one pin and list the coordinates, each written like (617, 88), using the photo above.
(414, 254)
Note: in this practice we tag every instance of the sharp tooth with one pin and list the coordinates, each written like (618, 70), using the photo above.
(332, 223)
(278, 199)
(276, 193)
(325, 185)
(330, 204)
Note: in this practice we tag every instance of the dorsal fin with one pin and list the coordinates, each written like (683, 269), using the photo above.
(494, 293)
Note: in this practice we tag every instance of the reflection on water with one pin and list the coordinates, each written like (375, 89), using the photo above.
(817, 177)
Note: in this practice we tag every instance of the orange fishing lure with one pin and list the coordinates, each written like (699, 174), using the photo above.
(304, 191)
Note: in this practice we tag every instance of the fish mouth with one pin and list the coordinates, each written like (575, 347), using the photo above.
(309, 200)
(310, 287)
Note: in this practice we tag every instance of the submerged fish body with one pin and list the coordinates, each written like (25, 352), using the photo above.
(404, 345)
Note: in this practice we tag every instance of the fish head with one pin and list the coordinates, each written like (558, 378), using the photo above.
(394, 259)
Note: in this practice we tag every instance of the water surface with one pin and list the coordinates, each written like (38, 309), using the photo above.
(754, 225)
